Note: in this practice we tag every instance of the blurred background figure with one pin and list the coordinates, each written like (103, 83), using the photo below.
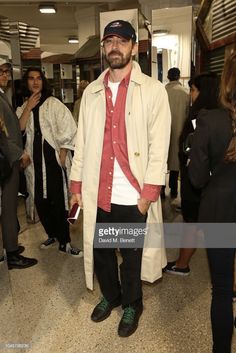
(9, 188)
(5, 169)
(204, 92)
(212, 168)
(82, 85)
(179, 105)
(50, 131)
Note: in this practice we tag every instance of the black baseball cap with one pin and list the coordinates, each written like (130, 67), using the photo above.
(119, 28)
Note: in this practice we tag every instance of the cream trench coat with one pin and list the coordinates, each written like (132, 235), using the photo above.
(148, 123)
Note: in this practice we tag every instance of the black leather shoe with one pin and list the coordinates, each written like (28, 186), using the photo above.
(103, 309)
(129, 321)
(18, 261)
(20, 249)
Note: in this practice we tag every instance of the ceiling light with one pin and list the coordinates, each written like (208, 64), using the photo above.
(160, 32)
(73, 40)
(47, 8)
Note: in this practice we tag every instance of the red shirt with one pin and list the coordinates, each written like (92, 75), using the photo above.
(115, 146)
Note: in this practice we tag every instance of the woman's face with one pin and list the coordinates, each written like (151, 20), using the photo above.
(194, 93)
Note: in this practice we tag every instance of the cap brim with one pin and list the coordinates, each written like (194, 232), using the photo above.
(114, 34)
(8, 64)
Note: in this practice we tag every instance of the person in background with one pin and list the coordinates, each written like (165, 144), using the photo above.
(212, 168)
(82, 85)
(179, 105)
(10, 186)
(50, 130)
(204, 92)
(5, 169)
(118, 168)
(234, 291)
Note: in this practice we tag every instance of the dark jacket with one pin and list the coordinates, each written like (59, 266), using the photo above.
(12, 125)
(188, 191)
(207, 169)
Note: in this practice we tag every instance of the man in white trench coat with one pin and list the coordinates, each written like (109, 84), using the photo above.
(118, 168)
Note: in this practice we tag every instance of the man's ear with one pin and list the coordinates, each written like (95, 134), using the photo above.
(135, 49)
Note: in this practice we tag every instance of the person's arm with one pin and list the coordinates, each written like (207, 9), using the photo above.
(77, 164)
(62, 156)
(64, 126)
(32, 101)
(199, 166)
(150, 193)
(76, 196)
(14, 151)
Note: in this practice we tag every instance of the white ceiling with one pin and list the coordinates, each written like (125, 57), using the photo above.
(54, 28)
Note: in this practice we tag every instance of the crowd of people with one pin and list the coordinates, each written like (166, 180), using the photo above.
(121, 149)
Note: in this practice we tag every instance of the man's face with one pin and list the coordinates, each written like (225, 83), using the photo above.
(35, 83)
(118, 51)
(5, 74)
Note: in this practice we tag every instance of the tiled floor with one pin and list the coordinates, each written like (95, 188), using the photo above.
(48, 306)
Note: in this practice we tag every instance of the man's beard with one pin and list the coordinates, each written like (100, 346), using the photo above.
(118, 62)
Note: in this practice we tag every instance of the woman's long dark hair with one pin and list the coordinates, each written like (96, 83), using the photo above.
(208, 85)
(46, 89)
(228, 100)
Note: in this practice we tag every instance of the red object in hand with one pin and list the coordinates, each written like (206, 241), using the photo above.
(74, 213)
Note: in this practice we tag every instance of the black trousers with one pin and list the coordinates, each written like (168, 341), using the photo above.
(221, 262)
(9, 221)
(129, 286)
(51, 211)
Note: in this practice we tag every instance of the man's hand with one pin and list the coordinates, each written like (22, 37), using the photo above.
(143, 205)
(25, 160)
(76, 198)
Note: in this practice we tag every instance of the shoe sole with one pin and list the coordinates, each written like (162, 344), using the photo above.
(130, 333)
(75, 256)
(80, 255)
(10, 267)
(177, 273)
(43, 247)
